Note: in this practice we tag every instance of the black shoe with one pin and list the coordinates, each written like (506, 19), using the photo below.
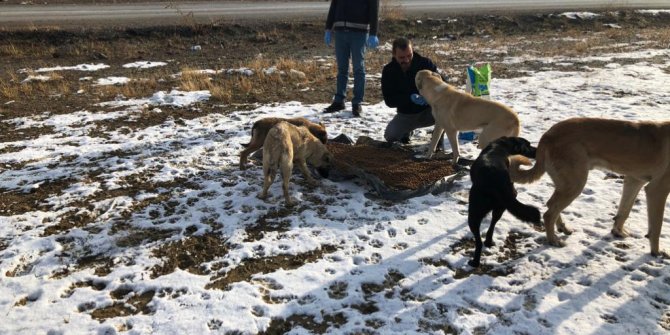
(356, 110)
(334, 107)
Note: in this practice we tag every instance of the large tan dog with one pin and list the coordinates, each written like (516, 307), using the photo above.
(261, 127)
(455, 111)
(285, 145)
(568, 150)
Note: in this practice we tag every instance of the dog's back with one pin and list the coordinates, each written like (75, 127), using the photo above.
(260, 129)
(631, 148)
(278, 146)
(287, 140)
(483, 113)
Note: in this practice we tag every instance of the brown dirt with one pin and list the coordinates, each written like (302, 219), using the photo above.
(251, 267)
(201, 249)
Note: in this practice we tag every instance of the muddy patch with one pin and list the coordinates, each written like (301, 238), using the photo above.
(190, 254)
(133, 304)
(251, 267)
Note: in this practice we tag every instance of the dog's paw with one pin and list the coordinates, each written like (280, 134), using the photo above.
(262, 196)
(620, 233)
(489, 244)
(473, 263)
(565, 230)
(661, 254)
(556, 242)
(290, 202)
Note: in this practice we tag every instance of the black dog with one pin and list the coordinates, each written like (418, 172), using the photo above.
(493, 190)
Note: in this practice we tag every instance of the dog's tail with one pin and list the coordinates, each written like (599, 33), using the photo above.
(522, 176)
(523, 212)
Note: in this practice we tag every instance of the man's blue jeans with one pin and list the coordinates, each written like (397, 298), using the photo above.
(350, 45)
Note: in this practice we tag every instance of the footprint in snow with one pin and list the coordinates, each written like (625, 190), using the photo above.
(392, 232)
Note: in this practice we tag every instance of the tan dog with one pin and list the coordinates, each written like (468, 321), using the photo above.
(261, 127)
(455, 111)
(285, 145)
(568, 150)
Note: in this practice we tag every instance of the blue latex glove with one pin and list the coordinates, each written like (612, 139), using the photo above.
(418, 99)
(373, 41)
(327, 37)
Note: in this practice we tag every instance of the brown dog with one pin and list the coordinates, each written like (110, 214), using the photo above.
(286, 144)
(455, 111)
(568, 150)
(261, 127)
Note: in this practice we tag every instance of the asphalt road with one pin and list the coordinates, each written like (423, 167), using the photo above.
(153, 13)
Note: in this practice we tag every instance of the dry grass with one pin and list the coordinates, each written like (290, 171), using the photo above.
(135, 88)
(14, 88)
(10, 50)
(194, 80)
(295, 75)
(391, 10)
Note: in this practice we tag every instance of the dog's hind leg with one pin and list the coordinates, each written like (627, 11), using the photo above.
(657, 195)
(495, 216)
(631, 187)
(286, 169)
(479, 206)
(269, 174)
(568, 182)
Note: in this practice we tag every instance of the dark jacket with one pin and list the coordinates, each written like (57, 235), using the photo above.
(397, 86)
(355, 15)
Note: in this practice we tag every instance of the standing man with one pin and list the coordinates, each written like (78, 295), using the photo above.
(399, 91)
(354, 24)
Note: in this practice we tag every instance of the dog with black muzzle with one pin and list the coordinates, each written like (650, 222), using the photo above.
(287, 144)
(493, 191)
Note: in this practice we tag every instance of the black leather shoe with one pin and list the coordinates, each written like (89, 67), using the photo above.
(356, 110)
(334, 107)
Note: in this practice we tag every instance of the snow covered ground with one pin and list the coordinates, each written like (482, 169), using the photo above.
(359, 264)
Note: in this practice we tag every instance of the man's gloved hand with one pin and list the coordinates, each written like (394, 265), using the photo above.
(418, 99)
(327, 37)
(373, 41)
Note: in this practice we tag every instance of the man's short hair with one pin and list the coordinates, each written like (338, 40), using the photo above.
(401, 43)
